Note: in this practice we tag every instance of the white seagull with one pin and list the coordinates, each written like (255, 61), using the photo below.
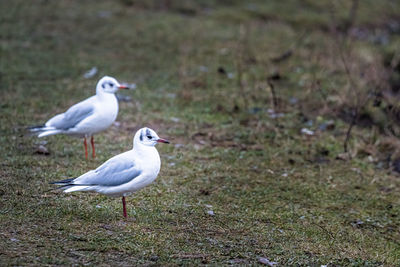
(122, 174)
(88, 117)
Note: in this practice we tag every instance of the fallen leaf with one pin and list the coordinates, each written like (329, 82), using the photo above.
(90, 73)
(267, 261)
(307, 131)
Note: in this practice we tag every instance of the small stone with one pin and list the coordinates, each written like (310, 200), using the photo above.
(42, 150)
(293, 100)
(358, 222)
(154, 258)
(211, 213)
(203, 69)
(104, 14)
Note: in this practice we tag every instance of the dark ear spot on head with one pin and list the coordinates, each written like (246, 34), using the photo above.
(142, 132)
(102, 85)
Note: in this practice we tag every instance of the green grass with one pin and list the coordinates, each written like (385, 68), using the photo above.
(275, 193)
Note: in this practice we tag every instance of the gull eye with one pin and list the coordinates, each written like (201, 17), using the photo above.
(111, 84)
(149, 137)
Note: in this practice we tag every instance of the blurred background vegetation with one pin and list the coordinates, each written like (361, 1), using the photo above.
(284, 117)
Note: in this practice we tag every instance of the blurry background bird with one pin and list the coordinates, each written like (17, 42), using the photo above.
(88, 117)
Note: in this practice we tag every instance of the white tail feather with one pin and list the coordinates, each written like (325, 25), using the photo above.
(76, 188)
(49, 132)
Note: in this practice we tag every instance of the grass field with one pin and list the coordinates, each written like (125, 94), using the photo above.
(240, 181)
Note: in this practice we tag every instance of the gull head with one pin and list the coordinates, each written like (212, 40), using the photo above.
(109, 85)
(148, 137)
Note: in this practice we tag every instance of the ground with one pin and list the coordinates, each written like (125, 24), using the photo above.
(231, 84)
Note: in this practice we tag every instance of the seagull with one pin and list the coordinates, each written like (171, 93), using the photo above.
(88, 117)
(122, 174)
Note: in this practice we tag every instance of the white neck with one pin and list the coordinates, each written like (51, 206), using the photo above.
(104, 95)
(148, 153)
(99, 91)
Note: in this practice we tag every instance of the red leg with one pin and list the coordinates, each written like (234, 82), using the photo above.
(85, 144)
(124, 207)
(93, 150)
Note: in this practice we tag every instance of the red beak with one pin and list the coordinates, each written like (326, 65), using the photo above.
(123, 87)
(160, 140)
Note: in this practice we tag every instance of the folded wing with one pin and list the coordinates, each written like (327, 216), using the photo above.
(114, 172)
(72, 116)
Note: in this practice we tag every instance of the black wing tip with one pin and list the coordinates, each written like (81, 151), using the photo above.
(35, 127)
(34, 130)
(63, 182)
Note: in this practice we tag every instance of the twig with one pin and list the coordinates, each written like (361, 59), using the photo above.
(348, 133)
(273, 94)
(288, 53)
(352, 16)
(239, 63)
(356, 110)
(325, 230)
(353, 86)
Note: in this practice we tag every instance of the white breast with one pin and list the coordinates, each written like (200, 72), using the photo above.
(105, 113)
(107, 110)
(150, 164)
(149, 161)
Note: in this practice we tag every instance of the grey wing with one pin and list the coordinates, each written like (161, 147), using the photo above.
(72, 116)
(113, 172)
